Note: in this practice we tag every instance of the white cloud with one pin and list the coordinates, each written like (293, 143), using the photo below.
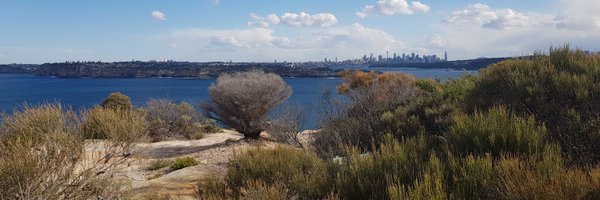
(579, 15)
(159, 16)
(257, 37)
(480, 30)
(215, 2)
(418, 6)
(483, 15)
(264, 44)
(293, 19)
(392, 7)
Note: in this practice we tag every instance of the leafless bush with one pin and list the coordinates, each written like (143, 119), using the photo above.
(43, 155)
(359, 122)
(286, 123)
(170, 120)
(241, 100)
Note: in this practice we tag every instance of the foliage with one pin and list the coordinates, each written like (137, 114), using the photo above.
(159, 164)
(42, 157)
(302, 172)
(545, 179)
(496, 131)
(561, 90)
(241, 100)
(395, 163)
(183, 162)
(370, 95)
(119, 126)
(117, 101)
(167, 120)
(474, 137)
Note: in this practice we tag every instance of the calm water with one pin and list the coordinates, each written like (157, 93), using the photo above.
(16, 89)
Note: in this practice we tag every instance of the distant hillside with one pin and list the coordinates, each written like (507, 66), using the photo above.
(161, 69)
(474, 64)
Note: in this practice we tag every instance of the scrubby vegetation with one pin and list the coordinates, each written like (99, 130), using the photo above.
(521, 129)
(41, 157)
(527, 128)
(170, 120)
(242, 100)
(184, 162)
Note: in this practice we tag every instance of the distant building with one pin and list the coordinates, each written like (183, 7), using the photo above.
(446, 56)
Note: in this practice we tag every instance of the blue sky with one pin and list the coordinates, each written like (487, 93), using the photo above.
(299, 30)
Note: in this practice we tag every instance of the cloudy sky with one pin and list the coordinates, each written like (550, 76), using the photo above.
(295, 30)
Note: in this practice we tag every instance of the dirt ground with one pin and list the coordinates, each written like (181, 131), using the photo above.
(212, 153)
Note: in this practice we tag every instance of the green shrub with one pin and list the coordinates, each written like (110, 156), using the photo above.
(395, 163)
(431, 113)
(119, 126)
(560, 89)
(213, 188)
(472, 177)
(159, 164)
(430, 186)
(545, 179)
(495, 131)
(261, 191)
(117, 101)
(183, 162)
(302, 172)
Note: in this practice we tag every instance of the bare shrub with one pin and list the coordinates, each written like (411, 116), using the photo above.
(286, 124)
(241, 100)
(359, 122)
(42, 157)
(170, 120)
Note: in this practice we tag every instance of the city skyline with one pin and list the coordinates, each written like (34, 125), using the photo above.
(311, 30)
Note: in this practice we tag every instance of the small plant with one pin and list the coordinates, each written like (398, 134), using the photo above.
(155, 176)
(230, 141)
(184, 162)
(159, 164)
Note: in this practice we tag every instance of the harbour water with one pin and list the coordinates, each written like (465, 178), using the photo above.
(79, 93)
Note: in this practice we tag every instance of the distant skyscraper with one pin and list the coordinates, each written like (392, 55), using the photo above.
(446, 56)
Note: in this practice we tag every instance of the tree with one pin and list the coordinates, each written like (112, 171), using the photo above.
(241, 100)
(117, 101)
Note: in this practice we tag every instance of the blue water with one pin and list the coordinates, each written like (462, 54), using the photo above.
(17, 89)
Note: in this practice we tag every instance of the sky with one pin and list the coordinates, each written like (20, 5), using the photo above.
(40, 31)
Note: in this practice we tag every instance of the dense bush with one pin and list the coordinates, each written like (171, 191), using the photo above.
(395, 163)
(242, 100)
(496, 131)
(117, 101)
(42, 157)
(170, 120)
(303, 173)
(561, 89)
(119, 126)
